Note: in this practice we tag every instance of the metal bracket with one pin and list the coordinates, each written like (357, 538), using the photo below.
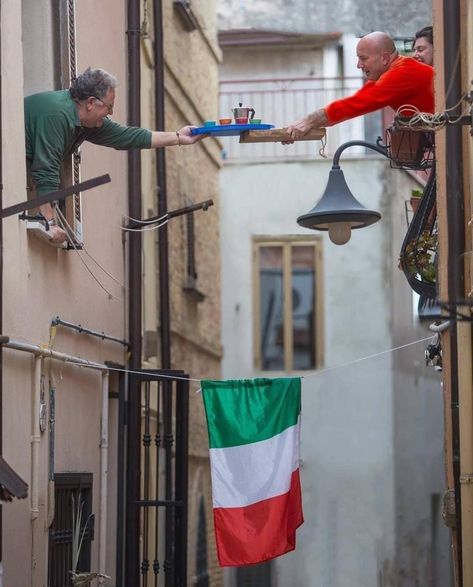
(37, 217)
(453, 314)
(466, 478)
(433, 353)
(52, 196)
(171, 214)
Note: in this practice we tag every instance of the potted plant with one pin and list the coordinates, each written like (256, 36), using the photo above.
(419, 258)
(416, 196)
(80, 579)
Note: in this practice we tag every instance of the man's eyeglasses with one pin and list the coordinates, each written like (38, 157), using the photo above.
(109, 106)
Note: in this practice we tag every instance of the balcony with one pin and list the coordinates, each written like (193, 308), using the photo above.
(280, 101)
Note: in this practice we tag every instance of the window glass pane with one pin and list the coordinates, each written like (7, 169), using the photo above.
(271, 308)
(303, 306)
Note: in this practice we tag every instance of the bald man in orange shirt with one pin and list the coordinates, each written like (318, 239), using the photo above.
(392, 80)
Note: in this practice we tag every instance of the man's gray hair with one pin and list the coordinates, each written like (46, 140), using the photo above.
(93, 82)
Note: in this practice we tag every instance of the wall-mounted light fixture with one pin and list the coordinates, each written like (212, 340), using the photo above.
(338, 211)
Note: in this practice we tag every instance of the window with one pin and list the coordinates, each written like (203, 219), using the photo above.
(288, 303)
(190, 285)
(70, 489)
(49, 48)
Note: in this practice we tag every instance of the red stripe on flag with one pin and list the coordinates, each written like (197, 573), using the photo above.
(260, 531)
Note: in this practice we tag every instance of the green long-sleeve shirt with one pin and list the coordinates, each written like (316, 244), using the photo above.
(53, 132)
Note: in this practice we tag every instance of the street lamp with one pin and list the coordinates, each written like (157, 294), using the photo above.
(338, 211)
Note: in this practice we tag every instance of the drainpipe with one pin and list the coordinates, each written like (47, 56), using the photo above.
(163, 253)
(103, 478)
(163, 256)
(131, 550)
(456, 232)
(41, 353)
(1, 292)
(35, 439)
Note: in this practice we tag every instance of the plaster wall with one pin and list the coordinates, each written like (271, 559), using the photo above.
(348, 16)
(371, 430)
(16, 411)
(252, 63)
(347, 425)
(41, 282)
(422, 539)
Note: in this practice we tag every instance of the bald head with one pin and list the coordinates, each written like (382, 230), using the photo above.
(382, 42)
(376, 51)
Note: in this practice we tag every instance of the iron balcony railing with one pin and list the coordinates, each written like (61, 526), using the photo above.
(280, 101)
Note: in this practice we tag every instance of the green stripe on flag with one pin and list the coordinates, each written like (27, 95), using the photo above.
(246, 411)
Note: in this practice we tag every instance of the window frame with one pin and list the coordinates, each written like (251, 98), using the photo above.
(287, 243)
(64, 69)
(60, 535)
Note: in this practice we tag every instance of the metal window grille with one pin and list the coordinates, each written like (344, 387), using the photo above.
(70, 489)
(155, 549)
(418, 256)
(202, 578)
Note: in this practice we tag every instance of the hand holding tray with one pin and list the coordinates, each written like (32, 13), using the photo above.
(229, 130)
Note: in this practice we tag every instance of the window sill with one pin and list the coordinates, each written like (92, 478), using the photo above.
(191, 290)
(39, 231)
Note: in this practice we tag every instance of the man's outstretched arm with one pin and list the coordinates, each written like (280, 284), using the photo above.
(298, 129)
(179, 137)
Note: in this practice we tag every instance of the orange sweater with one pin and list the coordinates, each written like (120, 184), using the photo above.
(406, 82)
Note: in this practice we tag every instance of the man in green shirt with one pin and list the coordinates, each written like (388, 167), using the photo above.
(57, 123)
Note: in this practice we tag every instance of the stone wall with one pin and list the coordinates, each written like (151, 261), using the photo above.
(191, 84)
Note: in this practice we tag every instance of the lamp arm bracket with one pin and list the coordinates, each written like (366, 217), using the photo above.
(378, 147)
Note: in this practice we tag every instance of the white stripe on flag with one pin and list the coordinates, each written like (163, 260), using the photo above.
(243, 475)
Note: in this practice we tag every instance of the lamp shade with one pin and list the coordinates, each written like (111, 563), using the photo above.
(338, 207)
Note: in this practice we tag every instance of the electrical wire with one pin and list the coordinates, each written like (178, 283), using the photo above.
(117, 281)
(146, 228)
(426, 121)
(63, 223)
(163, 217)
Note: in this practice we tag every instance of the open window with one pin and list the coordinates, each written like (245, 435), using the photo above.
(49, 48)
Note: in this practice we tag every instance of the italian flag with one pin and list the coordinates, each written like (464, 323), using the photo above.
(254, 430)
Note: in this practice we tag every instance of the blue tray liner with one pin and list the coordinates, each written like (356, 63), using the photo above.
(229, 130)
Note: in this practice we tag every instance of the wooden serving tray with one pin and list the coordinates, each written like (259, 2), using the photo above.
(276, 135)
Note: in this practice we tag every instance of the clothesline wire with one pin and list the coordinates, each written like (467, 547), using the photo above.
(176, 377)
(403, 346)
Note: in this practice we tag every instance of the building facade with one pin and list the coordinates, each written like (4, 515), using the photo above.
(67, 311)
(372, 443)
